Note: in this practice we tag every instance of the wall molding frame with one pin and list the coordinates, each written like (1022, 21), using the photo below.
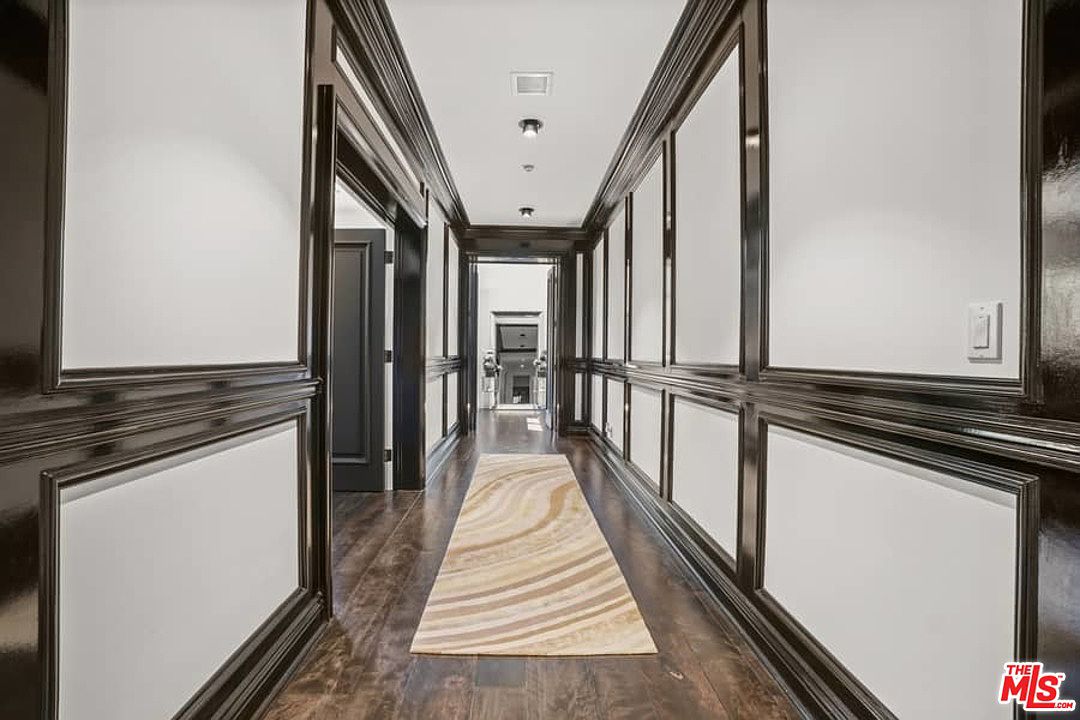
(54, 377)
(1021, 435)
(367, 27)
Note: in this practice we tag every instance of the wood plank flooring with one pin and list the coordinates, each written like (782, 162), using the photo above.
(387, 551)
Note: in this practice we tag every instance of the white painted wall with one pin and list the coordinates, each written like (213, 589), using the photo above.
(894, 182)
(705, 470)
(708, 242)
(433, 283)
(616, 398)
(647, 302)
(166, 569)
(646, 409)
(598, 300)
(183, 188)
(892, 566)
(508, 287)
(616, 269)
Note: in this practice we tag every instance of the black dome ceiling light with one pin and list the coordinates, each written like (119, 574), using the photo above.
(526, 212)
(530, 127)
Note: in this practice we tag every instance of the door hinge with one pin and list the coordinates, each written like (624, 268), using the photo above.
(388, 356)
(388, 257)
(387, 455)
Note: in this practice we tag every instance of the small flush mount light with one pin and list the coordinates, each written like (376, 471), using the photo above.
(526, 212)
(528, 167)
(530, 127)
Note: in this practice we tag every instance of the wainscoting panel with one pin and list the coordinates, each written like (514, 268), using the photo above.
(433, 283)
(433, 404)
(929, 220)
(616, 400)
(616, 284)
(889, 566)
(647, 288)
(646, 411)
(451, 400)
(596, 400)
(708, 232)
(452, 279)
(598, 303)
(705, 470)
(146, 281)
(167, 568)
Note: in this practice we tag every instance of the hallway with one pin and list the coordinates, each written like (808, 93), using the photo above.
(388, 548)
(776, 300)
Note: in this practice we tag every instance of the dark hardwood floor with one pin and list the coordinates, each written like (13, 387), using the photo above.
(387, 550)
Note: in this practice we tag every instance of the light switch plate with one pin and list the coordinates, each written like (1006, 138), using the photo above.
(984, 331)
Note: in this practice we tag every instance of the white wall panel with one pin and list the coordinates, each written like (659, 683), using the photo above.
(616, 269)
(646, 409)
(579, 304)
(433, 282)
(598, 300)
(705, 470)
(579, 396)
(884, 220)
(451, 399)
(182, 201)
(888, 564)
(597, 399)
(708, 243)
(433, 413)
(166, 569)
(647, 291)
(452, 304)
(616, 399)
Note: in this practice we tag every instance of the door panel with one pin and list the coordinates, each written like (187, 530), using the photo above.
(356, 377)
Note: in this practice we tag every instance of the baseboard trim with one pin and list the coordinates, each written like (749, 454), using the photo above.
(251, 678)
(442, 450)
(812, 693)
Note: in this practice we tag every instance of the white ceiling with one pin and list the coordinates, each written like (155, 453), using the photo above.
(462, 52)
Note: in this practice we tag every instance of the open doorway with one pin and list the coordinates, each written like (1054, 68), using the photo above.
(513, 336)
(361, 308)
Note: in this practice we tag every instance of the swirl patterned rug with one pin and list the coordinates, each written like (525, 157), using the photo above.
(528, 572)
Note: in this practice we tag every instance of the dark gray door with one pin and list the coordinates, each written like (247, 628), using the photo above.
(357, 364)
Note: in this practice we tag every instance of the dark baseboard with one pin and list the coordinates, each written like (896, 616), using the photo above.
(249, 681)
(442, 450)
(577, 428)
(815, 694)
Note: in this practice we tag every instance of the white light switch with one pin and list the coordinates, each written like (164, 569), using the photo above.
(984, 331)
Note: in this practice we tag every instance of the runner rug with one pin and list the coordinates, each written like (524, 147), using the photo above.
(528, 572)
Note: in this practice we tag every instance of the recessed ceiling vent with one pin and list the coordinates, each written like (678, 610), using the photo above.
(530, 83)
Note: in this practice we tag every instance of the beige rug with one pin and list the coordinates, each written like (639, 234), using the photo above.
(528, 572)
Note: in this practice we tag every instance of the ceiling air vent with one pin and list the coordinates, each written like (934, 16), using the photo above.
(530, 83)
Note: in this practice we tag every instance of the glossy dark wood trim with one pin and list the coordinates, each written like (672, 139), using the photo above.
(367, 27)
(694, 34)
(441, 452)
(248, 682)
(440, 366)
(514, 241)
(55, 378)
